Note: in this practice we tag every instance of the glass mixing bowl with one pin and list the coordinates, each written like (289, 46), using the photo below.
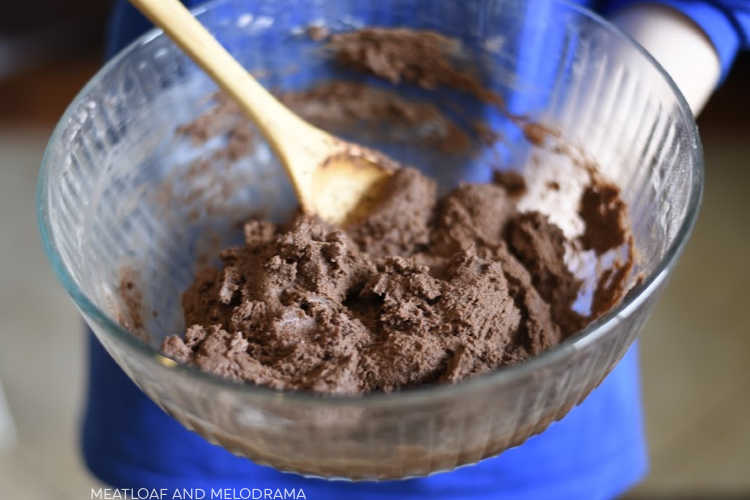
(104, 211)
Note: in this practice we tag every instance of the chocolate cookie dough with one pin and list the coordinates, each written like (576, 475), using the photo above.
(424, 290)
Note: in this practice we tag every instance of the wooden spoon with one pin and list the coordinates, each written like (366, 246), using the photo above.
(337, 180)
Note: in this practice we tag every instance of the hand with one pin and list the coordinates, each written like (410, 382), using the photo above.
(679, 45)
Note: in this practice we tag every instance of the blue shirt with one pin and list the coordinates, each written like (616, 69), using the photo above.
(597, 451)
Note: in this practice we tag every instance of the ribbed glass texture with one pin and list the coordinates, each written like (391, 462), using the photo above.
(116, 192)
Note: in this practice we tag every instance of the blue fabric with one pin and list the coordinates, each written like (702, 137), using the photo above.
(725, 22)
(597, 451)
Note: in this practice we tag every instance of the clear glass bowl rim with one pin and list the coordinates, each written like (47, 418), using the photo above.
(591, 333)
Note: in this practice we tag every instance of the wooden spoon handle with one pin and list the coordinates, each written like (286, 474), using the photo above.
(290, 137)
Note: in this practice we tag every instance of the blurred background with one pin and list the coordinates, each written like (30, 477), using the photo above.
(695, 349)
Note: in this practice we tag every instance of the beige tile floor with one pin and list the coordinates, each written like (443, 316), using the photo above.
(41, 359)
(696, 348)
